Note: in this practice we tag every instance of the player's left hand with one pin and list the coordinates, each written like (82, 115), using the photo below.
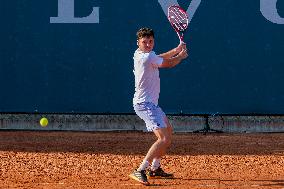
(180, 47)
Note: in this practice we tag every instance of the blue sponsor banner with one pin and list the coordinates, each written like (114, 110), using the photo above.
(71, 56)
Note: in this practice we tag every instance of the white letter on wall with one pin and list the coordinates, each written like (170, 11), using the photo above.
(66, 14)
(268, 9)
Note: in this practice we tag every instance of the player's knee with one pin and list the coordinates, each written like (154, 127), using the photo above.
(167, 141)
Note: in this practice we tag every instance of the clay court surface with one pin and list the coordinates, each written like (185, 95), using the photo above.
(33, 159)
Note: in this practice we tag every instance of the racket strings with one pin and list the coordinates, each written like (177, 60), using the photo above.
(178, 18)
(178, 15)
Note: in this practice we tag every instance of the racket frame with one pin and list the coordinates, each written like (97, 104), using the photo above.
(179, 33)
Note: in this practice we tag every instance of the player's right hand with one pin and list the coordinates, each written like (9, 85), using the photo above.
(184, 46)
(180, 47)
(183, 54)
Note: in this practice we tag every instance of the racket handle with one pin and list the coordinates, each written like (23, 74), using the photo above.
(180, 38)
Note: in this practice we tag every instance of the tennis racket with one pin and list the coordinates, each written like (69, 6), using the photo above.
(179, 20)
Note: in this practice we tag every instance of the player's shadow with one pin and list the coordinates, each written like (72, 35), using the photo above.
(224, 183)
(271, 183)
(137, 143)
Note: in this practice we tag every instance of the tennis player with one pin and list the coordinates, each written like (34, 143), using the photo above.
(145, 101)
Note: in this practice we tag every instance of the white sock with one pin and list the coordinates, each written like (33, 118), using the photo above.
(155, 164)
(144, 165)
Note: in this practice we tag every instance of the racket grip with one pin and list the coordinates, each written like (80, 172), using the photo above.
(181, 39)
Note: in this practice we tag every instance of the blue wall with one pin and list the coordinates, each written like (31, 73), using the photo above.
(235, 66)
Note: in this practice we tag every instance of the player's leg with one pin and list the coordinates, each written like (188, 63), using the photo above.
(168, 133)
(165, 135)
(158, 149)
(156, 171)
(155, 120)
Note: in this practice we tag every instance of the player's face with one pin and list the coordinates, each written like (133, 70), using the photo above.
(146, 44)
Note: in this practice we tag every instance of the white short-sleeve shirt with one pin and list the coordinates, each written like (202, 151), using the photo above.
(147, 80)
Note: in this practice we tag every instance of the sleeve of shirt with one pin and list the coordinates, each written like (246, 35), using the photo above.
(155, 60)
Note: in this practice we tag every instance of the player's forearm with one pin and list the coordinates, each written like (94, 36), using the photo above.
(171, 62)
(175, 61)
(169, 54)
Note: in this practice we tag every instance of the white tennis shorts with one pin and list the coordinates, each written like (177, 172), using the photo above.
(152, 114)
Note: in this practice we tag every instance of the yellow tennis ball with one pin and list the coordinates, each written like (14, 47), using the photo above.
(43, 122)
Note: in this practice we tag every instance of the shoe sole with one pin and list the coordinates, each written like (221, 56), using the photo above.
(140, 181)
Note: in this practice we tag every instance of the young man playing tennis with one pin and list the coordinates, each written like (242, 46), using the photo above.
(145, 101)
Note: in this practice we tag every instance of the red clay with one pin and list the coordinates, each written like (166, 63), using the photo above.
(32, 159)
